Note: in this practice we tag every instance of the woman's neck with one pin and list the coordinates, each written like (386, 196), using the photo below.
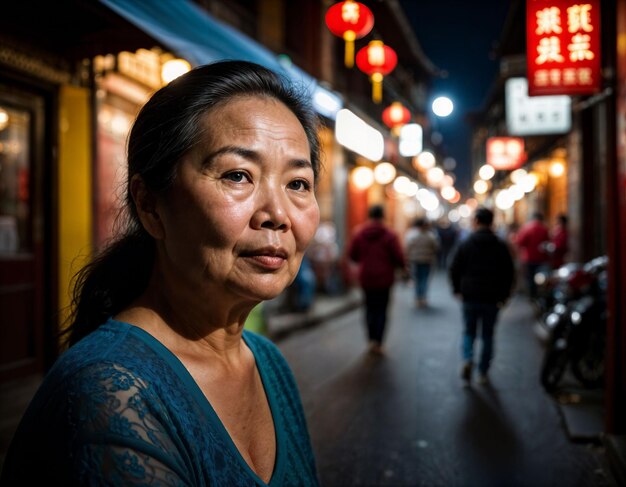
(182, 319)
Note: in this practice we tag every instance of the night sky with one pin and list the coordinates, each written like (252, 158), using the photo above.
(458, 36)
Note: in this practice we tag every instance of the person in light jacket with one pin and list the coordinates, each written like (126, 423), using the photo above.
(421, 246)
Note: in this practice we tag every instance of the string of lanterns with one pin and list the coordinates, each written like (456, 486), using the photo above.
(352, 20)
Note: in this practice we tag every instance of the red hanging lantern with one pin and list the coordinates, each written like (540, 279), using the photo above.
(376, 60)
(396, 115)
(349, 20)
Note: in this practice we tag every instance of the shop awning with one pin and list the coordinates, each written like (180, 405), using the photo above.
(190, 32)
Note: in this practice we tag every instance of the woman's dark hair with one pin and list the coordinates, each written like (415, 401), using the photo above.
(166, 128)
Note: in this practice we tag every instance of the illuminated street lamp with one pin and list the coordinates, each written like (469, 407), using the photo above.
(442, 106)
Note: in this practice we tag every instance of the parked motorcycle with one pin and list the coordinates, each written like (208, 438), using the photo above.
(577, 328)
(555, 286)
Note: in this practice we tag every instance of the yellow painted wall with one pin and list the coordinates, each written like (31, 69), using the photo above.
(75, 188)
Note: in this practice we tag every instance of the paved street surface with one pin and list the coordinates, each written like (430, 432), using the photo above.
(406, 419)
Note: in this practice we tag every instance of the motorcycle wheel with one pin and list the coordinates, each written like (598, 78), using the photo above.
(588, 362)
(553, 367)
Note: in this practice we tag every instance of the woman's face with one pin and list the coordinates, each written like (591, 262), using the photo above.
(242, 210)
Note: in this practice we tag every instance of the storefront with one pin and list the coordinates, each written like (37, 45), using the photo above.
(50, 166)
(25, 237)
(123, 82)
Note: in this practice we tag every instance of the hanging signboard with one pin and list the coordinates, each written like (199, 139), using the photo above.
(563, 47)
(357, 135)
(505, 153)
(536, 115)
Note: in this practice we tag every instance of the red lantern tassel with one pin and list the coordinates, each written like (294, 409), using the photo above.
(349, 36)
(377, 87)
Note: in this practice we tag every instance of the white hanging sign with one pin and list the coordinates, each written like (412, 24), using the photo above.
(537, 115)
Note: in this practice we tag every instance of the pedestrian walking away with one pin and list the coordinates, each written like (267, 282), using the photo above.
(421, 246)
(481, 275)
(378, 253)
(161, 385)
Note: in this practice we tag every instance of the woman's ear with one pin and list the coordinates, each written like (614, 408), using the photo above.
(146, 205)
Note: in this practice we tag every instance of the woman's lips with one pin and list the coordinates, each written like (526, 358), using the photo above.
(266, 258)
(267, 261)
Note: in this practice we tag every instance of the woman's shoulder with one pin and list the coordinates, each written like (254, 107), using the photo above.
(110, 391)
(113, 366)
(103, 362)
(115, 351)
(111, 341)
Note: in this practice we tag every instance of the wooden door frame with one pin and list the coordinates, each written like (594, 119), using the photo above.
(39, 99)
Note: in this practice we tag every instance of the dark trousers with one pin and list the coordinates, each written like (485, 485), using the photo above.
(376, 302)
(485, 315)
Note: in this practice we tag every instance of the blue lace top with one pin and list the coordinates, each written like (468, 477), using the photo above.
(118, 408)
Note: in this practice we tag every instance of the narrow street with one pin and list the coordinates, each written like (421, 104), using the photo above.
(406, 419)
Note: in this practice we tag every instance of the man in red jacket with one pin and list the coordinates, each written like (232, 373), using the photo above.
(377, 250)
(531, 240)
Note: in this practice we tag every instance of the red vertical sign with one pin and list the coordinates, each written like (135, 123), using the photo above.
(563, 47)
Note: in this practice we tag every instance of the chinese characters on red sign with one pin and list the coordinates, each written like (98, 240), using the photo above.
(563, 47)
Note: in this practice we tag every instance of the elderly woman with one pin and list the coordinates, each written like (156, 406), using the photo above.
(161, 384)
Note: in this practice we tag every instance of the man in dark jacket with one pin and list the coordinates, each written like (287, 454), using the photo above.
(481, 273)
(377, 250)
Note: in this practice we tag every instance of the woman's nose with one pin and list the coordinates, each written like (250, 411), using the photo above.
(272, 212)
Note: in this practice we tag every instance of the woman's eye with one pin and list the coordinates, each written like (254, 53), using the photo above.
(300, 185)
(236, 176)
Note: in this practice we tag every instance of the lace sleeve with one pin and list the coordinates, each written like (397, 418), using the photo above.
(121, 431)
